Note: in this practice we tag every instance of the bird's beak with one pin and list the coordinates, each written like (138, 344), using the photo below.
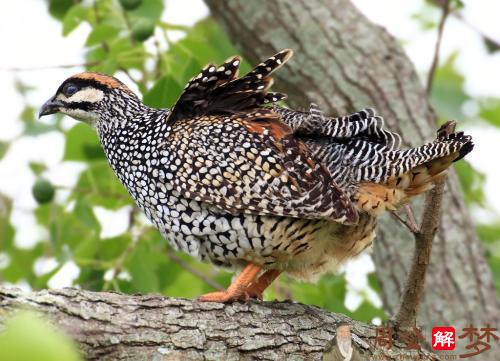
(51, 106)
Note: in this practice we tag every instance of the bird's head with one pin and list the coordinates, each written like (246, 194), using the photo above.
(90, 97)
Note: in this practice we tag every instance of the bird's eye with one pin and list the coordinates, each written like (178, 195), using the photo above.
(70, 89)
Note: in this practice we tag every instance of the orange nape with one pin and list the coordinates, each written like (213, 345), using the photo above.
(244, 287)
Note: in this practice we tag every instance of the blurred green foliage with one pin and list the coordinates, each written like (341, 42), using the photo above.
(29, 337)
(133, 43)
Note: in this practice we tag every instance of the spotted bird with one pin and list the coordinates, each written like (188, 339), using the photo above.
(232, 178)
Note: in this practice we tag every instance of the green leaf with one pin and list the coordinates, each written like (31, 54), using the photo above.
(204, 43)
(373, 282)
(101, 33)
(491, 44)
(28, 114)
(82, 144)
(95, 55)
(130, 4)
(490, 111)
(489, 233)
(151, 9)
(164, 93)
(101, 187)
(182, 283)
(366, 312)
(179, 282)
(426, 22)
(143, 29)
(472, 182)
(74, 17)
(112, 248)
(41, 281)
(447, 94)
(6, 230)
(83, 211)
(59, 8)
(46, 343)
(126, 54)
(37, 168)
(37, 128)
(4, 147)
(143, 265)
(455, 4)
(192, 69)
(108, 66)
(328, 293)
(32, 125)
(21, 263)
(494, 263)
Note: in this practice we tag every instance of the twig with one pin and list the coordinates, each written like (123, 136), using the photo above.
(435, 60)
(411, 218)
(118, 266)
(485, 37)
(415, 281)
(409, 222)
(45, 67)
(406, 316)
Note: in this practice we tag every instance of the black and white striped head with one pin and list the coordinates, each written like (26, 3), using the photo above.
(89, 97)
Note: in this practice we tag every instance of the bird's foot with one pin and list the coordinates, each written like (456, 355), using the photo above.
(256, 289)
(245, 288)
(223, 297)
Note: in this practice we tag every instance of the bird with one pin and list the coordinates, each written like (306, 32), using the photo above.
(231, 177)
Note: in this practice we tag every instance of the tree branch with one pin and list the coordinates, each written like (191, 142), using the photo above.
(435, 60)
(46, 67)
(113, 326)
(406, 317)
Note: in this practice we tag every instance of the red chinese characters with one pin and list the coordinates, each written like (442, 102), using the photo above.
(443, 338)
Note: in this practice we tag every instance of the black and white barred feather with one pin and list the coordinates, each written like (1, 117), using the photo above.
(357, 148)
(364, 124)
(360, 160)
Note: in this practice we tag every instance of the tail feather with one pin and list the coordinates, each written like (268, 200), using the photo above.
(412, 172)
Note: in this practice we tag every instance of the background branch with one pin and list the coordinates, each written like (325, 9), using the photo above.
(435, 60)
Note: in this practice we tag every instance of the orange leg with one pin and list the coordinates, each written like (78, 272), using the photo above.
(238, 289)
(257, 288)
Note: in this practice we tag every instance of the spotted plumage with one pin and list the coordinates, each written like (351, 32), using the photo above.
(230, 177)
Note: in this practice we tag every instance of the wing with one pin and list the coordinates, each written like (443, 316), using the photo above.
(252, 163)
(365, 124)
(217, 90)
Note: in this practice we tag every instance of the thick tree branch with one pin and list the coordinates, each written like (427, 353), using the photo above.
(113, 326)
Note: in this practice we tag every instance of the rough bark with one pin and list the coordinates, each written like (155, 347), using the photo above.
(112, 326)
(343, 62)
